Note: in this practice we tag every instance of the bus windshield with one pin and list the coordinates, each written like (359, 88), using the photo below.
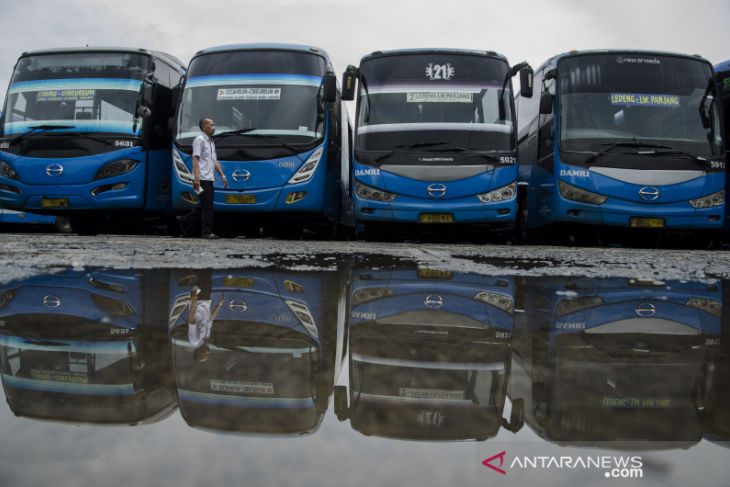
(640, 98)
(271, 93)
(87, 92)
(454, 97)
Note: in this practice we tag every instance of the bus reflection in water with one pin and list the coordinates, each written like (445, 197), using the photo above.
(429, 355)
(272, 353)
(616, 361)
(85, 347)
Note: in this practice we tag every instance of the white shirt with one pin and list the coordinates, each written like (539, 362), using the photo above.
(204, 148)
(199, 330)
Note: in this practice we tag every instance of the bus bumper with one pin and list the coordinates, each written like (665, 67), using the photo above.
(121, 192)
(305, 198)
(410, 210)
(676, 216)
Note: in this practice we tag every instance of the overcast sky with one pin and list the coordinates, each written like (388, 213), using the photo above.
(531, 30)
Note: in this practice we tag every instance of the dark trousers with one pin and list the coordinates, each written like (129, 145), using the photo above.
(202, 215)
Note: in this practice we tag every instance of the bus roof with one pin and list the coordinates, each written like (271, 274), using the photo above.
(400, 52)
(169, 58)
(265, 46)
(723, 66)
(642, 52)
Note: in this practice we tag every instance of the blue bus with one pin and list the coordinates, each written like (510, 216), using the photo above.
(273, 353)
(85, 134)
(282, 134)
(599, 361)
(429, 355)
(722, 71)
(89, 347)
(622, 139)
(435, 138)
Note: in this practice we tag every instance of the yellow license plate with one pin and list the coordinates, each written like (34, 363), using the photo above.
(435, 218)
(241, 199)
(646, 222)
(54, 202)
(434, 274)
(231, 281)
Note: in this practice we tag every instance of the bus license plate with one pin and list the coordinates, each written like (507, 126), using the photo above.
(637, 222)
(54, 202)
(436, 218)
(231, 281)
(241, 199)
(424, 273)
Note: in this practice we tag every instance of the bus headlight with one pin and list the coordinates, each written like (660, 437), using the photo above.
(362, 296)
(115, 168)
(501, 301)
(181, 169)
(306, 172)
(301, 311)
(113, 306)
(709, 305)
(500, 194)
(6, 297)
(570, 192)
(368, 193)
(711, 201)
(7, 170)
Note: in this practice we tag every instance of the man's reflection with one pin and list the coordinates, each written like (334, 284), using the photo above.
(201, 316)
(259, 355)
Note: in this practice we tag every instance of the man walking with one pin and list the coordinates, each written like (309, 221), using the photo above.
(205, 165)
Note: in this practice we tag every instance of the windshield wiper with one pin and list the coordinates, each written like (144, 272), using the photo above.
(407, 147)
(469, 150)
(39, 129)
(271, 139)
(234, 132)
(85, 135)
(635, 144)
(670, 151)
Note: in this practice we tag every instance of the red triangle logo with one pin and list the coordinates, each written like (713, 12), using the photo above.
(488, 462)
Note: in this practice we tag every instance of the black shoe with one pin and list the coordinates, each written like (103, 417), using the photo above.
(184, 233)
(210, 236)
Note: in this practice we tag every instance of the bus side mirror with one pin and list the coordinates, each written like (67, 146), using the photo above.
(517, 417)
(146, 97)
(546, 104)
(705, 111)
(148, 90)
(348, 83)
(175, 98)
(526, 76)
(143, 111)
(341, 409)
(329, 88)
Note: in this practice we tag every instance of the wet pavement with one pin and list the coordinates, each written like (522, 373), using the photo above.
(352, 368)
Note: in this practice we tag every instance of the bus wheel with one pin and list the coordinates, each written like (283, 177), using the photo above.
(85, 225)
(63, 225)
